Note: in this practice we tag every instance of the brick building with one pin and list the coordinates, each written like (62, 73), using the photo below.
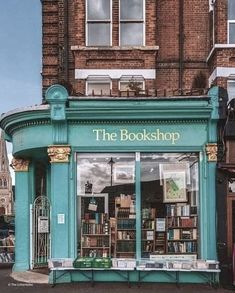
(129, 143)
(165, 48)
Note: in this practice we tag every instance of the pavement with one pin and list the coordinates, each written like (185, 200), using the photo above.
(37, 282)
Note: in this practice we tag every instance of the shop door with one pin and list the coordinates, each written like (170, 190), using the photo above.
(231, 233)
(40, 232)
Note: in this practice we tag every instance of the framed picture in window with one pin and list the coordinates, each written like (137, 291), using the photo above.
(124, 174)
(174, 186)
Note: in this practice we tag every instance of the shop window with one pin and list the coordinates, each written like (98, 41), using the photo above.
(98, 18)
(231, 89)
(231, 21)
(98, 86)
(131, 22)
(168, 197)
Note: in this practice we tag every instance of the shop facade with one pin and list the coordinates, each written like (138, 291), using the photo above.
(129, 179)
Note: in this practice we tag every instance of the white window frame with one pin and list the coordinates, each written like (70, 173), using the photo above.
(230, 81)
(98, 79)
(229, 21)
(110, 21)
(128, 78)
(132, 21)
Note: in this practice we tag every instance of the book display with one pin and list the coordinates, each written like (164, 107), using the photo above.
(182, 232)
(7, 246)
(148, 231)
(125, 226)
(96, 237)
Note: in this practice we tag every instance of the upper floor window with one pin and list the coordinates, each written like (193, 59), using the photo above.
(98, 85)
(231, 89)
(131, 13)
(98, 18)
(231, 21)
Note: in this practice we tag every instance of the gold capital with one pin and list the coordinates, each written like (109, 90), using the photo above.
(59, 153)
(211, 151)
(20, 165)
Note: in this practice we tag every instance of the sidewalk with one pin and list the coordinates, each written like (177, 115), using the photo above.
(36, 282)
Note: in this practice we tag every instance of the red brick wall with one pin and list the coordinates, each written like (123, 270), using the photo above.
(162, 29)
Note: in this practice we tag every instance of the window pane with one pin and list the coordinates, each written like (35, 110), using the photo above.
(98, 34)
(231, 185)
(131, 34)
(232, 33)
(106, 204)
(98, 9)
(231, 89)
(169, 203)
(98, 88)
(231, 9)
(131, 9)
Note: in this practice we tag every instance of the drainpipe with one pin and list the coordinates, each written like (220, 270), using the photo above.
(66, 40)
(181, 45)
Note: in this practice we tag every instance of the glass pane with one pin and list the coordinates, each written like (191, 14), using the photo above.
(232, 33)
(131, 9)
(131, 34)
(98, 89)
(98, 34)
(169, 203)
(98, 9)
(231, 89)
(106, 204)
(231, 9)
(231, 185)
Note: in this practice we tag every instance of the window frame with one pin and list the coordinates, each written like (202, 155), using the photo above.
(229, 21)
(104, 21)
(98, 79)
(229, 82)
(143, 21)
(128, 78)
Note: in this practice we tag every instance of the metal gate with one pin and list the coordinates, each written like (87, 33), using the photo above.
(40, 232)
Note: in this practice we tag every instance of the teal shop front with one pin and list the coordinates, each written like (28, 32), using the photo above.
(130, 182)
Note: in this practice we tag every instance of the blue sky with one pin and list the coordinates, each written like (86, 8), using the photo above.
(20, 54)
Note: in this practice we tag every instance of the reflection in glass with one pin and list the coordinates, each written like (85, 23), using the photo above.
(231, 9)
(131, 34)
(131, 9)
(169, 220)
(98, 34)
(232, 33)
(98, 9)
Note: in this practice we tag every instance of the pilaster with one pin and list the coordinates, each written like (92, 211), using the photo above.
(22, 210)
(59, 158)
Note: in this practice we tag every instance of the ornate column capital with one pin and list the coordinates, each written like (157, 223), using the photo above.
(211, 151)
(20, 164)
(59, 153)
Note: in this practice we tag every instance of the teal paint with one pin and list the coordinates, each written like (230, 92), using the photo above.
(60, 206)
(138, 206)
(22, 222)
(32, 131)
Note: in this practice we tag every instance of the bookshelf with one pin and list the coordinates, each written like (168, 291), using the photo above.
(182, 229)
(96, 238)
(7, 246)
(125, 229)
(148, 231)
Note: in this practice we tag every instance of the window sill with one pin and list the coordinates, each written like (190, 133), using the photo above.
(114, 48)
(219, 46)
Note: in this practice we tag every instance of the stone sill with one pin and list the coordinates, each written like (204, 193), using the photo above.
(219, 46)
(115, 48)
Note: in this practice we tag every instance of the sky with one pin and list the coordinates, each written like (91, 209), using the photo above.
(20, 55)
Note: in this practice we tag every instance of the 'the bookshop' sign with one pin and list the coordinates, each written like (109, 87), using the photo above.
(142, 135)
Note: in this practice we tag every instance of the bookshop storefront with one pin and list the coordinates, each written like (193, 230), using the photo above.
(131, 183)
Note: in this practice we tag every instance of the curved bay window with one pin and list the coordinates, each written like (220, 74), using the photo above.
(107, 204)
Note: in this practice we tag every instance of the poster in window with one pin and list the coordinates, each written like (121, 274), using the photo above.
(124, 174)
(174, 186)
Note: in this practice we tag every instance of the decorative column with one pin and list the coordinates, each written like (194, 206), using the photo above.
(59, 158)
(22, 214)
